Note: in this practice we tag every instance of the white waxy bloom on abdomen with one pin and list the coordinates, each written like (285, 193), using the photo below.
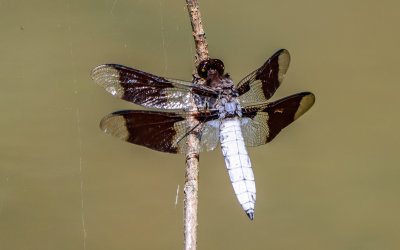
(238, 164)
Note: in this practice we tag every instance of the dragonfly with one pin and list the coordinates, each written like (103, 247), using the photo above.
(236, 116)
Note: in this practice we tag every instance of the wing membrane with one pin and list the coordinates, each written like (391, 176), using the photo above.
(161, 131)
(150, 90)
(261, 123)
(262, 83)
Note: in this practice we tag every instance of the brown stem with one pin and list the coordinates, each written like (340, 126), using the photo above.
(192, 155)
(198, 31)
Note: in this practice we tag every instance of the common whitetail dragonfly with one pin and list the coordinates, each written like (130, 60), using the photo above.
(236, 116)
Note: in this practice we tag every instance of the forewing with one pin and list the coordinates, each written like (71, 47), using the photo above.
(261, 123)
(261, 84)
(149, 90)
(161, 131)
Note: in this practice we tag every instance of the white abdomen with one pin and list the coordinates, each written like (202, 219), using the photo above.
(238, 164)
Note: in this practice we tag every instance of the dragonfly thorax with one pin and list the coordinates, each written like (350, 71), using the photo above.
(228, 106)
(227, 103)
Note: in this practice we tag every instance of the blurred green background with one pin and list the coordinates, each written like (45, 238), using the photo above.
(328, 181)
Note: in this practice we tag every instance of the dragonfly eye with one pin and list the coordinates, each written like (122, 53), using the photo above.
(208, 64)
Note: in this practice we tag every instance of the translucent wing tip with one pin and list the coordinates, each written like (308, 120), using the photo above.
(96, 70)
(305, 104)
(250, 214)
(108, 76)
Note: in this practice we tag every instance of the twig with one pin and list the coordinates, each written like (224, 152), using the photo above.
(198, 31)
(192, 154)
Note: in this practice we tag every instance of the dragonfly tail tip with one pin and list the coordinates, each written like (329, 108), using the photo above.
(250, 214)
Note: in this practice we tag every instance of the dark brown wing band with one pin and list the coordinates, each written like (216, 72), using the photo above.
(261, 84)
(155, 130)
(273, 117)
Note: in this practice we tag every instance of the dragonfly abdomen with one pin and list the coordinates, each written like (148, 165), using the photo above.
(238, 164)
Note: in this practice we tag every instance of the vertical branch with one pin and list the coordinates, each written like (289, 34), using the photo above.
(198, 31)
(192, 154)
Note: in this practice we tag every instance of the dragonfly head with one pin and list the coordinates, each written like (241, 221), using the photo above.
(206, 65)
